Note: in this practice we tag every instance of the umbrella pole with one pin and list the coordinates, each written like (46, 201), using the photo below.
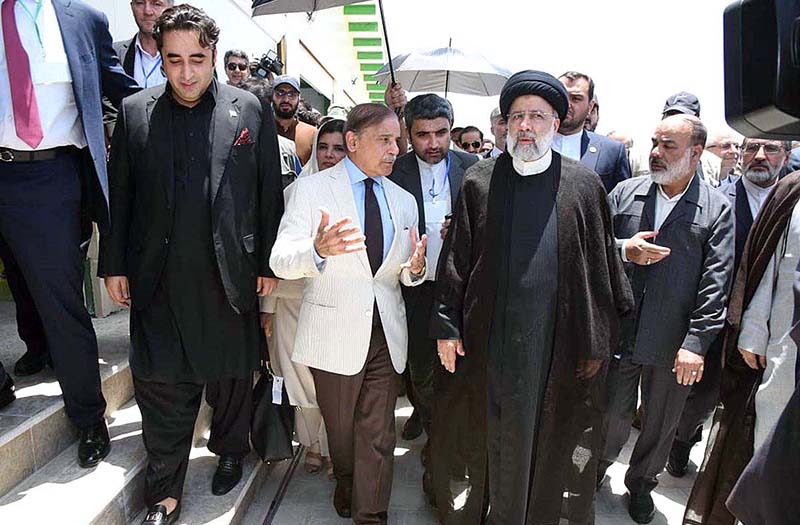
(447, 73)
(386, 38)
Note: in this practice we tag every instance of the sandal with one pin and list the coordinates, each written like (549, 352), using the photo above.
(313, 462)
(329, 468)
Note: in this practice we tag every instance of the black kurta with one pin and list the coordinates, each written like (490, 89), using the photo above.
(521, 341)
(555, 439)
(190, 333)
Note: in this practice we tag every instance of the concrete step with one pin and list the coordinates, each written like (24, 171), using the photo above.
(200, 506)
(110, 494)
(35, 429)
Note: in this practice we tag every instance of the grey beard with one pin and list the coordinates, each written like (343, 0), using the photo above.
(674, 172)
(530, 152)
(760, 177)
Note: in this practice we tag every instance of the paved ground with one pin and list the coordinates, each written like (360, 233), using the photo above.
(308, 499)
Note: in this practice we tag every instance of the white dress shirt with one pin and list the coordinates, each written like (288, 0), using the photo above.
(434, 179)
(756, 195)
(52, 82)
(568, 145)
(147, 68)
(664, 206)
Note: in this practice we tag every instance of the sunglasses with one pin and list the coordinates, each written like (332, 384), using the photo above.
(232, 66)
(475, 144)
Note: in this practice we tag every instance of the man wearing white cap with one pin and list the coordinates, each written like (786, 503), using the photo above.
(285, 100)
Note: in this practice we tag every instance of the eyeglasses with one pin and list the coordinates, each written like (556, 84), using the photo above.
(475, 144)
(725, 145)
(233, 65)
(281, 93)
(752, 148)
(537, 116)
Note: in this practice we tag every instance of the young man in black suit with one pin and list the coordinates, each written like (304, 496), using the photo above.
(196, 199)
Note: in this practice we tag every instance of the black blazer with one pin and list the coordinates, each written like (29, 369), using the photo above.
(246, 193)
(737, 196)
(605, 157)
(406, 175)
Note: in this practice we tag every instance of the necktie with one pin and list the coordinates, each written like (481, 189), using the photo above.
(373, 227)
(23, 98)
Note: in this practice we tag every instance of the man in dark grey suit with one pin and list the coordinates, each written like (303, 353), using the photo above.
(194, 217)
(676, 236)
(432, 174)
(604, 156)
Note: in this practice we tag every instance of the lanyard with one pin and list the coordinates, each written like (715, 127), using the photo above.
(34, 17)
(431, 191)
(141, 66)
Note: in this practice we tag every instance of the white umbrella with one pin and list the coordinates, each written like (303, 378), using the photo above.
(277, 7)
(446, 69)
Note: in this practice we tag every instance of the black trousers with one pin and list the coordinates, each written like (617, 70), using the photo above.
(29, 323)
(3, 376)
(41, 220)
(169, 412)
(702, 401)
(422, 356)
(663, 400)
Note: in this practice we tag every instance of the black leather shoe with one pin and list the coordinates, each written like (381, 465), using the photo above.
(31, 363)
(412, 429)
(678, 463)
(157, 515)
(343, 499)
(93, 445)
(227, 476)
(641, 507)
(7, 395)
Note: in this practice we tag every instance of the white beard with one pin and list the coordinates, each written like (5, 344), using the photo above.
(530, 152)
(760, 177)
(674, 172)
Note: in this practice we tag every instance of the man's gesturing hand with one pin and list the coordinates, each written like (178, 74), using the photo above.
(641, 252)
(338, 238)
(448, 348)
(688, 367)
(417, 261)
(117, 286)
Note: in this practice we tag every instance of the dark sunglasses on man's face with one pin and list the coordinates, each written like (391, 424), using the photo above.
(475, 144)
(232, 66)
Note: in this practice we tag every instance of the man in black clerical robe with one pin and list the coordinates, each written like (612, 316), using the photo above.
(530, 290)
(196, 200)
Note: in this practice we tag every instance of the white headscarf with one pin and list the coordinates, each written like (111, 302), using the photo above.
(312, 166)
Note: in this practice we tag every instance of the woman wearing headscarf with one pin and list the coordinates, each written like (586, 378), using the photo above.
(279, 314)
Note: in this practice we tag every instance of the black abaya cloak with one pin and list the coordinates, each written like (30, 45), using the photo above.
(591, 293)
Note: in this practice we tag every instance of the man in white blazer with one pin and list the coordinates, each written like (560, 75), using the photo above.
(352, 325)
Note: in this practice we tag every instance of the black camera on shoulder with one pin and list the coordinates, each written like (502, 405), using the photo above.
(762, 68)
(268, 63)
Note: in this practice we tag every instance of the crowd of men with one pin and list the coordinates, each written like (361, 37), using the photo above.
(528, 293)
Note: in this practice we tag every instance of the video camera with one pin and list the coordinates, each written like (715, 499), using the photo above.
(762, 68)
(268, 63)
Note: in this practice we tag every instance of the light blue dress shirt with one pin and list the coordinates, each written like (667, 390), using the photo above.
(357, 178)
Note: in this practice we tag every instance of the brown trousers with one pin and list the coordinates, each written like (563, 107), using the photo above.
(359, 415)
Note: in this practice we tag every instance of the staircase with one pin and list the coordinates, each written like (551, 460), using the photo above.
(40, 480)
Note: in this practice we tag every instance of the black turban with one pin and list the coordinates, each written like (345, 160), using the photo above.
(537, 83)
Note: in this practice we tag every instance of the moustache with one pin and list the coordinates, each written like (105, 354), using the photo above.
(389, 158)
(526, 135)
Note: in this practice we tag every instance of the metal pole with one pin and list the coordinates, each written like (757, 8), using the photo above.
(386, 38)
(447, 72)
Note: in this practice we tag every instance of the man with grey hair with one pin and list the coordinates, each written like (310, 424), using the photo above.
(237, 66)
(726, 144)
(675, 234)
(139, 56)
(763, 160)
(499, 130)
